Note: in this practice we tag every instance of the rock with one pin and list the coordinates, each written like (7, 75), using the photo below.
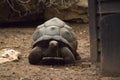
(86, 65)
(83, 3)
(7, 55)
(77, 12)
(34, 10)
(19, 10)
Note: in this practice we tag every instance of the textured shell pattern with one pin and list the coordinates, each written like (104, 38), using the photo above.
(55, 29)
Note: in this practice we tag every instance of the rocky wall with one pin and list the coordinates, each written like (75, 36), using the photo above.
(24, 10)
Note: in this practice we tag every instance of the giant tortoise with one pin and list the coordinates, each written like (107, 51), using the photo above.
(54, 40)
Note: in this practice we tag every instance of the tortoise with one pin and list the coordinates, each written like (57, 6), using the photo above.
(54, 39)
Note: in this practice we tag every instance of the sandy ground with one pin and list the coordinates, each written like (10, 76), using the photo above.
(20, 39)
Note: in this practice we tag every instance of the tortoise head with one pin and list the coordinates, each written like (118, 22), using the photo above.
(51, 51)
(53, 44)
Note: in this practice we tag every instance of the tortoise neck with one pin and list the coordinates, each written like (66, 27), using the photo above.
(52, 51)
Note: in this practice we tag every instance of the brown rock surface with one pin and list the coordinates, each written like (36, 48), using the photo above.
(24, 10)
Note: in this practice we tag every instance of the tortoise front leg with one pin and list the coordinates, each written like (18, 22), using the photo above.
(67, 55)
(35, 56)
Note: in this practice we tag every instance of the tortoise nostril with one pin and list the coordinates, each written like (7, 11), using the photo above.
(52, 28)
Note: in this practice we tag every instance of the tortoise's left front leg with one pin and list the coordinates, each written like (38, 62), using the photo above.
(67, 55)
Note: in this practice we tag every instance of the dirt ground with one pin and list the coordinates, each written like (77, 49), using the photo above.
(20, 39)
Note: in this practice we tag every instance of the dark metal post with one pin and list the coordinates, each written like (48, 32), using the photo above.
(93, 34)
(104, 22)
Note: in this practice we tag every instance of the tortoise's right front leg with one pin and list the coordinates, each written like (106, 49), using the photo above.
(35, 56)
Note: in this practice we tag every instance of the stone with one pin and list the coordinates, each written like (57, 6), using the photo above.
(34, 10)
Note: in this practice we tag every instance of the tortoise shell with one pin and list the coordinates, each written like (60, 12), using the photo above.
(55, 29)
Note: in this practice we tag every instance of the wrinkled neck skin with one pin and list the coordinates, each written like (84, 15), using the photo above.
(52, 49)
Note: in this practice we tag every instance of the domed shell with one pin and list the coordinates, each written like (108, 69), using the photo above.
(55, 29)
